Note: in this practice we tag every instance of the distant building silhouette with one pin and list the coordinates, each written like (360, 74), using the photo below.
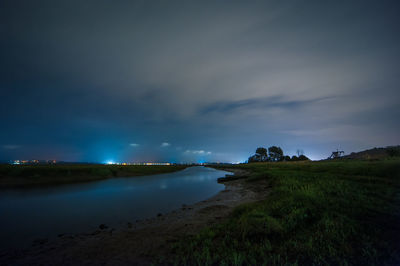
(336, 154)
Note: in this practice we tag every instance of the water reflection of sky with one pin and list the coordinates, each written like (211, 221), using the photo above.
(47, 212)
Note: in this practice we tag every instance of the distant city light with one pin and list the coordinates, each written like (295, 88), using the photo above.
(33, 162)
(143, 163)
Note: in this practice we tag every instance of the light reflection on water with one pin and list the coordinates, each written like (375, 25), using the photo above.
(28, 214)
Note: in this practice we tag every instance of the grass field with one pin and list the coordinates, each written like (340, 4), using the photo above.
(44, 175)
(317, 213)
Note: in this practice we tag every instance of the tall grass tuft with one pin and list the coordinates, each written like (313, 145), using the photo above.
(318, 213)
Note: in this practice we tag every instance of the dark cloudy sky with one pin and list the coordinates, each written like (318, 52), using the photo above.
(196, 80)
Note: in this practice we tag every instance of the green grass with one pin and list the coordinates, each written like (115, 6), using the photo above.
(44, 175)
(317, 213)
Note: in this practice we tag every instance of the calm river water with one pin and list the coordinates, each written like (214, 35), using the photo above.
(29, 214)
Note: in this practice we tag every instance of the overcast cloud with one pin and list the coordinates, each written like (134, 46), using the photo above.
(112, 80)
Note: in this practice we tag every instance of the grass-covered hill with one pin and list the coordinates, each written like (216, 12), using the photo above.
(317, 213)
(375, 153)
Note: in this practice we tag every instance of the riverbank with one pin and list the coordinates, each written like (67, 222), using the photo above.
(330, 213)
(24, 176)
(139, 242)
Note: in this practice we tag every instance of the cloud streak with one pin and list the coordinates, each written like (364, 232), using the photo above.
(260, 103)
(11, 147)
(134, 145)
(198, 152)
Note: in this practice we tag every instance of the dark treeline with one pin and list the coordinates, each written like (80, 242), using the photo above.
(275, 154)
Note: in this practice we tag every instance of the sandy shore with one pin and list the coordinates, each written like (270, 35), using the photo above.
(140, 241)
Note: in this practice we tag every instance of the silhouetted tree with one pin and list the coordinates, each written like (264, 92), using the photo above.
(299, 152)
(303, 158)
(260, 156)
(262, 151)
(251, 159)
(275, 153)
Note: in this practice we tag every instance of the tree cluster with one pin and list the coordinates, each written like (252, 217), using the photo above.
(274, 154)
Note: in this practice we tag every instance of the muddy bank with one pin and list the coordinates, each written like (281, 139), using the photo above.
(140, 241)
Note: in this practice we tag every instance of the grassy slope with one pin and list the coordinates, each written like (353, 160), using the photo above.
(333, 212)
(37, 175)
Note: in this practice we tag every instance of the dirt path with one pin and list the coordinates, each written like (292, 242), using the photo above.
(141, 241)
